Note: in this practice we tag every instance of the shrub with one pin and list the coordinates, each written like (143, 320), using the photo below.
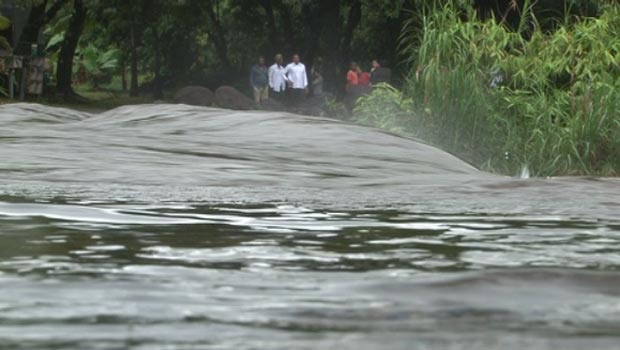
(505, 99)
(387, 108)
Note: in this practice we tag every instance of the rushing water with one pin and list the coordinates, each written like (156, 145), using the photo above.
(176, 227)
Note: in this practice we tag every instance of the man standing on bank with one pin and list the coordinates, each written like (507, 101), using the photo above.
(379, 74)
(297, 80)
(277, 79)
(259, 80)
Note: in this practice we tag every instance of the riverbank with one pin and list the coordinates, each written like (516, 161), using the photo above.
(508, 100)
(88, 100)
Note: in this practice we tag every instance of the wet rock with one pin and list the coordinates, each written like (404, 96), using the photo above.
(231, 98)
(272, 105)
(195, 96)
(313, 106)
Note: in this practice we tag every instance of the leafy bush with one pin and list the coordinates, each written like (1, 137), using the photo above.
(5, 23)
(99, 65)
(385, 107)
(4, 44)
(336, 109)
(503, 99)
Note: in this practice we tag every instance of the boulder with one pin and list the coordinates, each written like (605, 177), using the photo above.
(231, 98)
(312, 106)
(272, 105)
(195, 96)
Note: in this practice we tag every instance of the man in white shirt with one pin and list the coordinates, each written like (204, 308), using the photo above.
(277, 79)
(297, 80)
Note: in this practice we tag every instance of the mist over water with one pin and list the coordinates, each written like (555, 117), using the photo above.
(178, 227)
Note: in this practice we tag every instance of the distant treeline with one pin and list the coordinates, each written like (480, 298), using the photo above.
(211, 42)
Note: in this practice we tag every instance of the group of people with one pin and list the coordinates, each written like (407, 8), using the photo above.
(284, 83)
(360, 83)
(357, 77)
(288, 84)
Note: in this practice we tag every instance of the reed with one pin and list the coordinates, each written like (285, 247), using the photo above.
(504, 99)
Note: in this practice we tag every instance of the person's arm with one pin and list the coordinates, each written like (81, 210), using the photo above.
(305, 78)
(288, 80)
(266, 75)
(270, 75)
(252, 77)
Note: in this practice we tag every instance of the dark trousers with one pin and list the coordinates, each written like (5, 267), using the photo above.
(296, 96)
(277, 95)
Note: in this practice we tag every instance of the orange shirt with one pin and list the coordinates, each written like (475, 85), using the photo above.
(352, 78)
(364, 79)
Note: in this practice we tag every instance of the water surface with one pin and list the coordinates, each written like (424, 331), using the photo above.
(177, 227)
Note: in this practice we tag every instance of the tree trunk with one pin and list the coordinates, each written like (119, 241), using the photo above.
(311, 27)
(287, 27)
(30, 34)
(354, 18)
(274, 42)
(64, 71)
(331, 31)
(37, 18)
(124, 75)
(219, 38)
(158, 93)
(133, 90)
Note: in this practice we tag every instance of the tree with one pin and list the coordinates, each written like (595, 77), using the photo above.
(64, 70)
(214, 42)
(217, 32)
(41, 13)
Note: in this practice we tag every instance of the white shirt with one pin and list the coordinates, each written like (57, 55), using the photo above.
(277, 78)
(296, 74)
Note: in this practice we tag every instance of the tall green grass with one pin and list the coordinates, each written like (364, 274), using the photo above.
(505, 99)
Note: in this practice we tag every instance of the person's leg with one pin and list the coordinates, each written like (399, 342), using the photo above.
(290, 97)
(265, 93)
(281, 97)
(256, 95)
(299, 96)
(302, 95)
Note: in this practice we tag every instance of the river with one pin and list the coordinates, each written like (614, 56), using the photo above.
(178, 227)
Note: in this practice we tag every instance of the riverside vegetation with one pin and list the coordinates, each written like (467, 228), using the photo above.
(503, 98)
(502, 94)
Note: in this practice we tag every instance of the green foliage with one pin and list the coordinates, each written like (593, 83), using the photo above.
(387, 108)
(55, 41)
(5, 23)
(336, 109)
(487, 94)
(4, 44)
(98, 64)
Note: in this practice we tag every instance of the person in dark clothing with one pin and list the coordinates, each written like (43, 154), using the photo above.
(259, 80)
(379, 74)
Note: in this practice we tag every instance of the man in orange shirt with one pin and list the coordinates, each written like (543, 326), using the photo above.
(352, 77)
(363, 78)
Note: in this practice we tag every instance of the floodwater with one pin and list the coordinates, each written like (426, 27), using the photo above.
(177, 227)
